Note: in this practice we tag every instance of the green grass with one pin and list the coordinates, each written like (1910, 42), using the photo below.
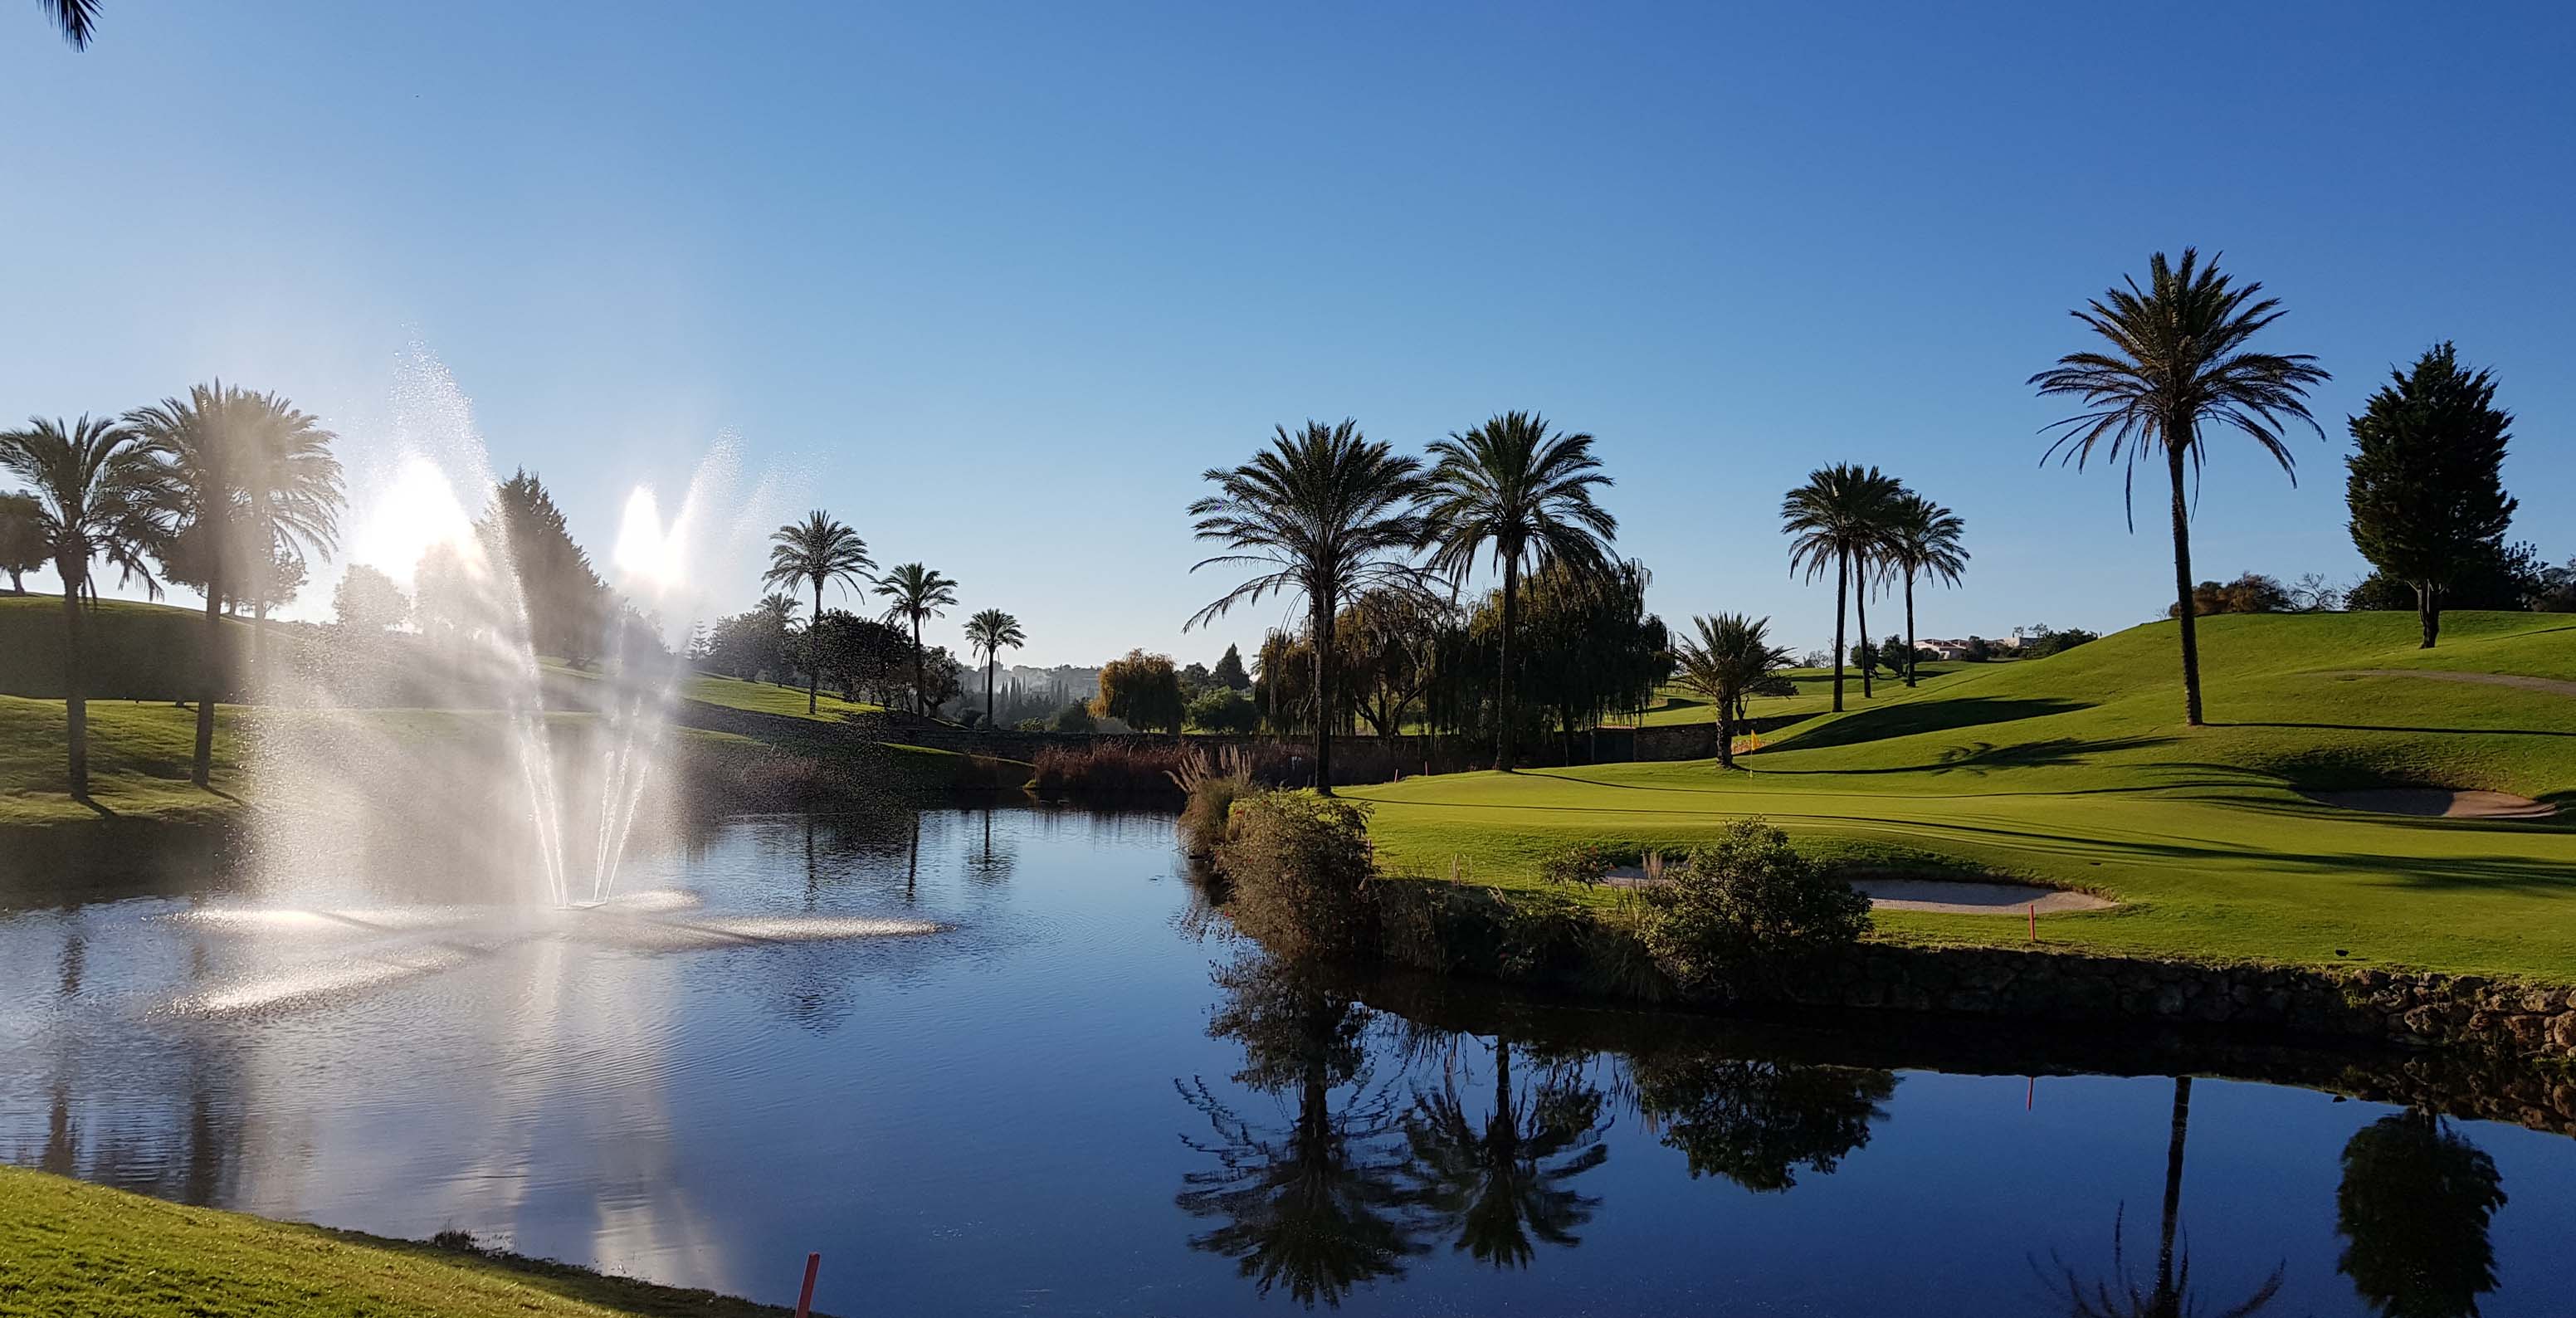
(133, 650)
(69, 1248)
(1815, 695)
(766, 698)
(2077, 771)
(139, 754)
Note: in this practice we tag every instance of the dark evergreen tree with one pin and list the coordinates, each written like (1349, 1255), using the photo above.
(567, 604)
(1229, 670)
(2426, 485)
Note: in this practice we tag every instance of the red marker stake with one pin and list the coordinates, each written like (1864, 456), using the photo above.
(805, 1297)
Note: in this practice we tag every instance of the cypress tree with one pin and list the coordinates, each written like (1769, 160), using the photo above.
(2426, 487)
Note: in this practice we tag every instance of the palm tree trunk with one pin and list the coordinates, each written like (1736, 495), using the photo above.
(1503, 699)
(209, 681)
(2182, 582)
(989, 660)
(75, 705)
(813, 649)
(1323, 624)
(2173, 1193)
(2428, 611)
(1842, 588)
(920, 693)
(1725, 729)
(1909, 627)
(1860, 605)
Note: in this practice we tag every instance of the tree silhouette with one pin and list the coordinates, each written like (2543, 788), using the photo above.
(1496, 1183)
(2178, 359)
(993, 631)
(1326, 513)
(815, 552)
(1839, 518)
(1923, 541)
(1523, 491)
(1317, 1204)
(2413, 1211)
(918, 594)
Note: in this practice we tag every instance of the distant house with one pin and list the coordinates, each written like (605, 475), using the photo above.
(1943, 649)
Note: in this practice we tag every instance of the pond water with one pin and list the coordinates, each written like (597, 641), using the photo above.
(1078, 1097)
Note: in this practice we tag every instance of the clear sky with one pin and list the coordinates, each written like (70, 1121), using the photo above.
(995, 284)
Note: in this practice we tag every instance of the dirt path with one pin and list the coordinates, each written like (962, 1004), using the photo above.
(2548, 685)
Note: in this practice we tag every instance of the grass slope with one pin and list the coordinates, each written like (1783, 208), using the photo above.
(2077, 771)
(1815, 695)
(766, 698)
(69, 1248)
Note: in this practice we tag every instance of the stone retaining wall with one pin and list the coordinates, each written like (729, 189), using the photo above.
(2417, 1010)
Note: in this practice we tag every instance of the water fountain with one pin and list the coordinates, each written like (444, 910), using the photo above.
(423, 800)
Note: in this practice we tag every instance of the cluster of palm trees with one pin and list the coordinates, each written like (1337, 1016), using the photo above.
(1325, 514)
(225, 489)
(822, 550)
(1871, 532)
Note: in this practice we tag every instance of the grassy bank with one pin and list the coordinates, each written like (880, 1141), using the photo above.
(2077, 772)
(71, 1248)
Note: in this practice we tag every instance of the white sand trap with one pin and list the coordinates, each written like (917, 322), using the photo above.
(2437, 803)
(1941, 896)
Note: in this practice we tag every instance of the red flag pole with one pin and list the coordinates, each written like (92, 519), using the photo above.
(805, 1297)
(2034, 922)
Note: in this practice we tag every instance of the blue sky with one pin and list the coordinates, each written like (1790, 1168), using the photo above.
(996, 283)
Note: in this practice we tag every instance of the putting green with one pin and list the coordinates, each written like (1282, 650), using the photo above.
(2076, 771)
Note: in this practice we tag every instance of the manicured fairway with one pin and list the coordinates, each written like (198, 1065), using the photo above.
(69, 1248)
(2077, 771)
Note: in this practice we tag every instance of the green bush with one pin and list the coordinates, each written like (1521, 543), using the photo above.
(1584, 863)
(1220, 710)
(1746, 910)
(1300, 866)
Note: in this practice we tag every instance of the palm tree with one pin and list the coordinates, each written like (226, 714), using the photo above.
(818, 550)
(991, 631)
(248, 476)
(99, 495)
(1527, 492)
(77, 19)
(2178, 359)
(1838, 518)
(1923, 541)
(1731, 658)
(918, 593)
(1326, 513)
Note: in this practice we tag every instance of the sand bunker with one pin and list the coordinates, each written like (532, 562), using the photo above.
(2437, 803)
(1943, 896)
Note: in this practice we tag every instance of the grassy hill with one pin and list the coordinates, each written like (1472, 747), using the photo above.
(1814, 695)
(134, 650)
(70, 1248)
(2077, 771)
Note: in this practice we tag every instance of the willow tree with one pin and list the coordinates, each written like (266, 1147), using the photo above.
(1523, 492)
(2175, 360)
(1321, 514)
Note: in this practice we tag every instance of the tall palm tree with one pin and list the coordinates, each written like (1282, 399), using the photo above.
(294, 501)
(1526, 492)
(1326, 513)
(1836, 519)
(99, 495)
(1731, 658)
(817, 551)
(248, 476)
(991, 631)
(918, 593)
(1923, 541)
(2178, 359)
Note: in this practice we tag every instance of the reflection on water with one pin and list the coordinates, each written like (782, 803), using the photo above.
(1079, 1096)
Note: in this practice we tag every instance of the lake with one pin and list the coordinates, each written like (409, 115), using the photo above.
(1073, 1094)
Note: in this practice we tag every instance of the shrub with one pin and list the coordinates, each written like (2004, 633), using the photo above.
(1300, 866)
(1584, 863)
(1211, 784)
(1113, 770)
(1746, 909)
(1219, 709)
(1075, 717)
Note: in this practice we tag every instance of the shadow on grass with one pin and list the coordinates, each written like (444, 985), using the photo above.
(1985, 756)
(1916, 717)
(2383, 727)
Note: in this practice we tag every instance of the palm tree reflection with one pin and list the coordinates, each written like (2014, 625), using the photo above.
(2170, 1296)
(1318, 1203)
(2413, 1211)
(1495, 1184)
